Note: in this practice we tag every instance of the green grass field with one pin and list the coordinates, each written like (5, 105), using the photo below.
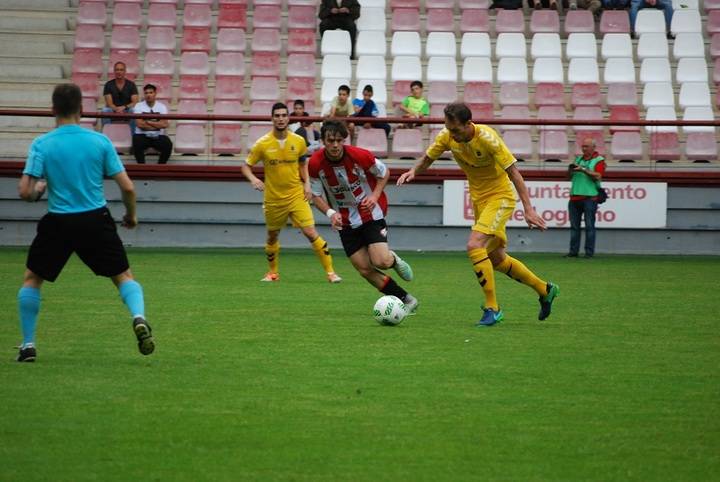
(295, 381)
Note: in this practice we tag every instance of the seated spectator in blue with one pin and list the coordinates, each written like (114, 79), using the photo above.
(308, 132)
(151, 132)
(120, 94)
(366, 107)
(664, 5)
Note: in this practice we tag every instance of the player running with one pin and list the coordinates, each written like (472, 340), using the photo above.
(490, 167)
(347, 185)
(286, 191)
(71, 162)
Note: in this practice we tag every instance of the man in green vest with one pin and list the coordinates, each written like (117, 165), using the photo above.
(585, 175)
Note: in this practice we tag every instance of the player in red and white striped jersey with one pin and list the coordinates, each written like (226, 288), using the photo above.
(347, 185)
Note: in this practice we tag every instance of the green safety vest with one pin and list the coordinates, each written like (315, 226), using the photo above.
(582, 184)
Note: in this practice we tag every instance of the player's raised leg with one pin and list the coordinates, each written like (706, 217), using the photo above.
(517, 270)
(131, 293)
(29, 308)
(377, 256)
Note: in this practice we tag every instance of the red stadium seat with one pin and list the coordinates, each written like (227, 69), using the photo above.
(405, 20)
(88, 84)
(585, 94)
(439, 20)
(264, 88)
(231, 40)
(549, 93)
(441, 92)
(478, 93)
(301, 65)
(578, 21)
(701, 146)
(266, 40)
(621, 94)
(267, 16)
(227, 135)
(90, 37)
(194, 63)
(520, 143)
(229, 88)
(195, 40)
(302, 42)
(545, 21)
(624, 113)
(232, 16)
(159, 62)
(509, 21)
(664, 146)
(190, 139)
(713, 22)
(193, 87)
(408, 143)
(553, 146)
(119, 135)
(197, 15)
(414, 4)
(514, 93)
(125, 38)
(265, 64)
(466, 5)
(301, 88)
(160, 38)
(255, 132)
(129, 14)
(192, 107)
(475, 20)
(429, 4)
(302, 17)
(614, 21)
(401, 89)
(582, 132)
(162, 15)
(230, 64)
(481, 112)
(373, 140)
(92, 13)
(626, 146)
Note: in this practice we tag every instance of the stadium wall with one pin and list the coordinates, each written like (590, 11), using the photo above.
(183, 213)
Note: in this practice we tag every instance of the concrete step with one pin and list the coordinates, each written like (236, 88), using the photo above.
(43, 5)
(15, 70)
(16, 22)
(22, 46)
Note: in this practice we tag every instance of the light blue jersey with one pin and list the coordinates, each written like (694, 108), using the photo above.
(74, 161)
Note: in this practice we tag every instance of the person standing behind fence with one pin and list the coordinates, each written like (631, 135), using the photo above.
(71, 163)
(120, 95)
(585, 175)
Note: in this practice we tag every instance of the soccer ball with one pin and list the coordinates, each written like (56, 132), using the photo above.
(389, 310)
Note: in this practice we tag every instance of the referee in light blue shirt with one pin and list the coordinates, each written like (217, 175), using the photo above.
(71, 162)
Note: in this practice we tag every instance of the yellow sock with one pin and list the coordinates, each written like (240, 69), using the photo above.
(323, 253)
(272, 252)
(519, 272)
(486, 277)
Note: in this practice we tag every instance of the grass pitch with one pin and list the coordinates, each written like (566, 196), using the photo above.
(295, 381)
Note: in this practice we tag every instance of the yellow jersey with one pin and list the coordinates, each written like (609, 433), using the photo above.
(484, 160)
(281, 163)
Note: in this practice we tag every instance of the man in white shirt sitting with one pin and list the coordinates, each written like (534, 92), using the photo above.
(151, 132)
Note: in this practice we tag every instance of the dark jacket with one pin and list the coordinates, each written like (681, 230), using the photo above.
(327, 5)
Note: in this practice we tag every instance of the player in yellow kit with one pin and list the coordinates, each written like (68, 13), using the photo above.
(286, 191)
(490, 168)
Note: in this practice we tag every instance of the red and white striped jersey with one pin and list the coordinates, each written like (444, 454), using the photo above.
(347, 182)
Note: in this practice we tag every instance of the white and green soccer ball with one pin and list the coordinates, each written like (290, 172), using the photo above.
(389, 310)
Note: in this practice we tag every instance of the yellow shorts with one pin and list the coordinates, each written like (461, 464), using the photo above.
(490, 218)
(299, 212)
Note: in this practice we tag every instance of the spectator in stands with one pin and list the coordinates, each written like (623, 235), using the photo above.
(593, 6)
(298, 110)
(120, 94)
(311, 135)
(507, 4)
(540, 4)
(342, 107)
(585, 175)
(414, 105)
(664, 5)
(151, 132)
(366, 107)
(615, 4)
(340, 14)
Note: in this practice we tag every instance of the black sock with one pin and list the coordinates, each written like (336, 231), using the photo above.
(393, 289)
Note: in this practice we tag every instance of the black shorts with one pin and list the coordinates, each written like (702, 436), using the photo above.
(365, 235)
(91, 234)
